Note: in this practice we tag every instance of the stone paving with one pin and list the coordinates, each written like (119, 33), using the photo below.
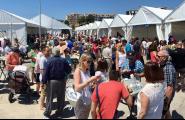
(21, 110)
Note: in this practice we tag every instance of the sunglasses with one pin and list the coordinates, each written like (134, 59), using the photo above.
(88, 62)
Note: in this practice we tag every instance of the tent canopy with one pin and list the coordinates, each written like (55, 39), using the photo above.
(121, 20)
(10, 18)
(15, 26)
(105, 23)
(50, 23)
(177, 15)
(77, 28)
(149, 15)
(96, 25)
(90, 26)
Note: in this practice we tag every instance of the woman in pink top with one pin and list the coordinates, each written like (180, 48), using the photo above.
(153, 52)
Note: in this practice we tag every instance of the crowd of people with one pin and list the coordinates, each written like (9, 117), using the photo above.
(102, 65)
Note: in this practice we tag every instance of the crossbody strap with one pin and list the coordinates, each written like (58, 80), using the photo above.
(98, 97)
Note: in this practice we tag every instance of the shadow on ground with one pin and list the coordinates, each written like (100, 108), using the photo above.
(68, 112)
(28, 99)
(176, 115)
(4, 87)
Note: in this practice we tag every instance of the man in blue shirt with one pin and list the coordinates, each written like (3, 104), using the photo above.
(133, 66)
(170, 81)
(129, 46)
(69, 44)
(57, 69)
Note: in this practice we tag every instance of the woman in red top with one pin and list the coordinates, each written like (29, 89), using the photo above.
(153, 52)
(13, 59)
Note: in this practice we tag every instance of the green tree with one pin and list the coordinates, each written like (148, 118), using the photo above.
(82, 20)
(66, 22)
(73, 27)
(90, 19)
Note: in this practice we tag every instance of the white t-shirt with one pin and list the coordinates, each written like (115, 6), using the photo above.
(107, 53)
(42, 64)
(37, 66)
(155, 93)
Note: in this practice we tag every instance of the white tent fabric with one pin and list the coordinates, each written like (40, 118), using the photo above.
(105, 23)
(96, 25)
(175, 23)
(160, 31)
(151, 16)
(104, 28)
(7, 17)
(15, 26)
(51, 23)
(168, 29)
(121, 20)
(95, 28)
(90, 28)
(177, 15)
(86, 29)
(54, 26)
(119, 24)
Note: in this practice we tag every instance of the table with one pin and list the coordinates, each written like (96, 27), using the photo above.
(136, 86)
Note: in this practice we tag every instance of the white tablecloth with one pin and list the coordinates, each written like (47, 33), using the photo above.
(135, 85)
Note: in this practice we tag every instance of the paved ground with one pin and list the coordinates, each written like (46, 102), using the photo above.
(23, 110)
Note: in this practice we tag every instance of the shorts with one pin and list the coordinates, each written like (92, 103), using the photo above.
(43, 91)
(37, 75)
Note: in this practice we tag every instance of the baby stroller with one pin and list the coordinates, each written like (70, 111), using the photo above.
(19, 84)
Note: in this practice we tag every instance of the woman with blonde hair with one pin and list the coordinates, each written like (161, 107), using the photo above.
(82, 82)
(120, 57)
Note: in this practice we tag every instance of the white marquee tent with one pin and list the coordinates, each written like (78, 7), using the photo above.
(89, 32)
(95, 27)
(85, 29)
(176, 23)
(104, 28)
(54, 26)
(119, 24)
(149, 22)
(82, 29)
(13, 26)
(78, 29)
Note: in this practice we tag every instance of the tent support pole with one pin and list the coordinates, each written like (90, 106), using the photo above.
(11, 30)
(40, 27)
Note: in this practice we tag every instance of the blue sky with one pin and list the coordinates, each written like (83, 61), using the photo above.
(60, 8)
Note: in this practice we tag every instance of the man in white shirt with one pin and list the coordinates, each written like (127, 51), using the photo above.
(107, 55)
(42, 65)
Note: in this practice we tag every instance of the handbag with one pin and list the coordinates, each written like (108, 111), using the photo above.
(72, 96)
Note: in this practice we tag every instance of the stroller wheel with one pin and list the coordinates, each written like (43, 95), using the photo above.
(10, 97)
